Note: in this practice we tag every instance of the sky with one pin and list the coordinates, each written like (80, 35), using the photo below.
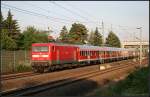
(122, 17)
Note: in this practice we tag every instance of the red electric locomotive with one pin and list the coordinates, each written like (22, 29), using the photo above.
(48, 56)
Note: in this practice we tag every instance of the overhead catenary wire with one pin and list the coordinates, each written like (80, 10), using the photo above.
(36, 14)
(60, 20)
(74, 13)
(41, 15)
(48, 11)
(29, 14)
(83, 11)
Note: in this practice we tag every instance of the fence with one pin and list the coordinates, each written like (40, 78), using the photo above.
(11, 59)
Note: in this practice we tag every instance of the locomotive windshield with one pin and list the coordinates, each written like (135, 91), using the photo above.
(40, 48)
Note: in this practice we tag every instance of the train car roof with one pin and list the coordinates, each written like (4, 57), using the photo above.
(102, 48)
(90, 47)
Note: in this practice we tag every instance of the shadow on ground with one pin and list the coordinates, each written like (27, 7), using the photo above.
(75, 89)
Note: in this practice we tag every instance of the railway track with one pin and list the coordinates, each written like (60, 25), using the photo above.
(18, 75)
(59, 83)
(27, 74)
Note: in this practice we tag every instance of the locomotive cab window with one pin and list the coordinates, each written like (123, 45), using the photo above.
(40, 48)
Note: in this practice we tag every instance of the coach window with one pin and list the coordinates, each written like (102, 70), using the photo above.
(82, 53)
(86, 53)
(91, 53)
(99, 52)
(106, 52)
(110, 53)
(113, 53)
(103, 53)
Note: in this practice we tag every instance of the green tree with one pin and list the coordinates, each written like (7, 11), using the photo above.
(113, 40)
(7, 42)
(32, 35)
(2, 19)
(63, 35)
(91, 38)
(78, 34)
(12, 26)
(41, 36)
(97, 39)
(13, 32)
(1, 25)
(28, 37)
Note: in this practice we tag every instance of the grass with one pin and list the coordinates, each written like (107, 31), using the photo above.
(23, 68)
(136, 84)
(9, 58)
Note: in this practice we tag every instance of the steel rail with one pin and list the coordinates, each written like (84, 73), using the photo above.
(58, 83)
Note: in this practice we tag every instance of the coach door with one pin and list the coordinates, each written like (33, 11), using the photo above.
(58, 56)
(88, 56)
(74, 56)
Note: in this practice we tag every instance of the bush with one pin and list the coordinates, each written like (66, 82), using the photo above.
(23, 68)
(135, 84)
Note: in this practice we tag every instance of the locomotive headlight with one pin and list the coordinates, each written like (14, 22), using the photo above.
(44, 55)
(35, 55)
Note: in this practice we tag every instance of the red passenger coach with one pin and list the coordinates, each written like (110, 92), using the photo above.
(49, 56)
